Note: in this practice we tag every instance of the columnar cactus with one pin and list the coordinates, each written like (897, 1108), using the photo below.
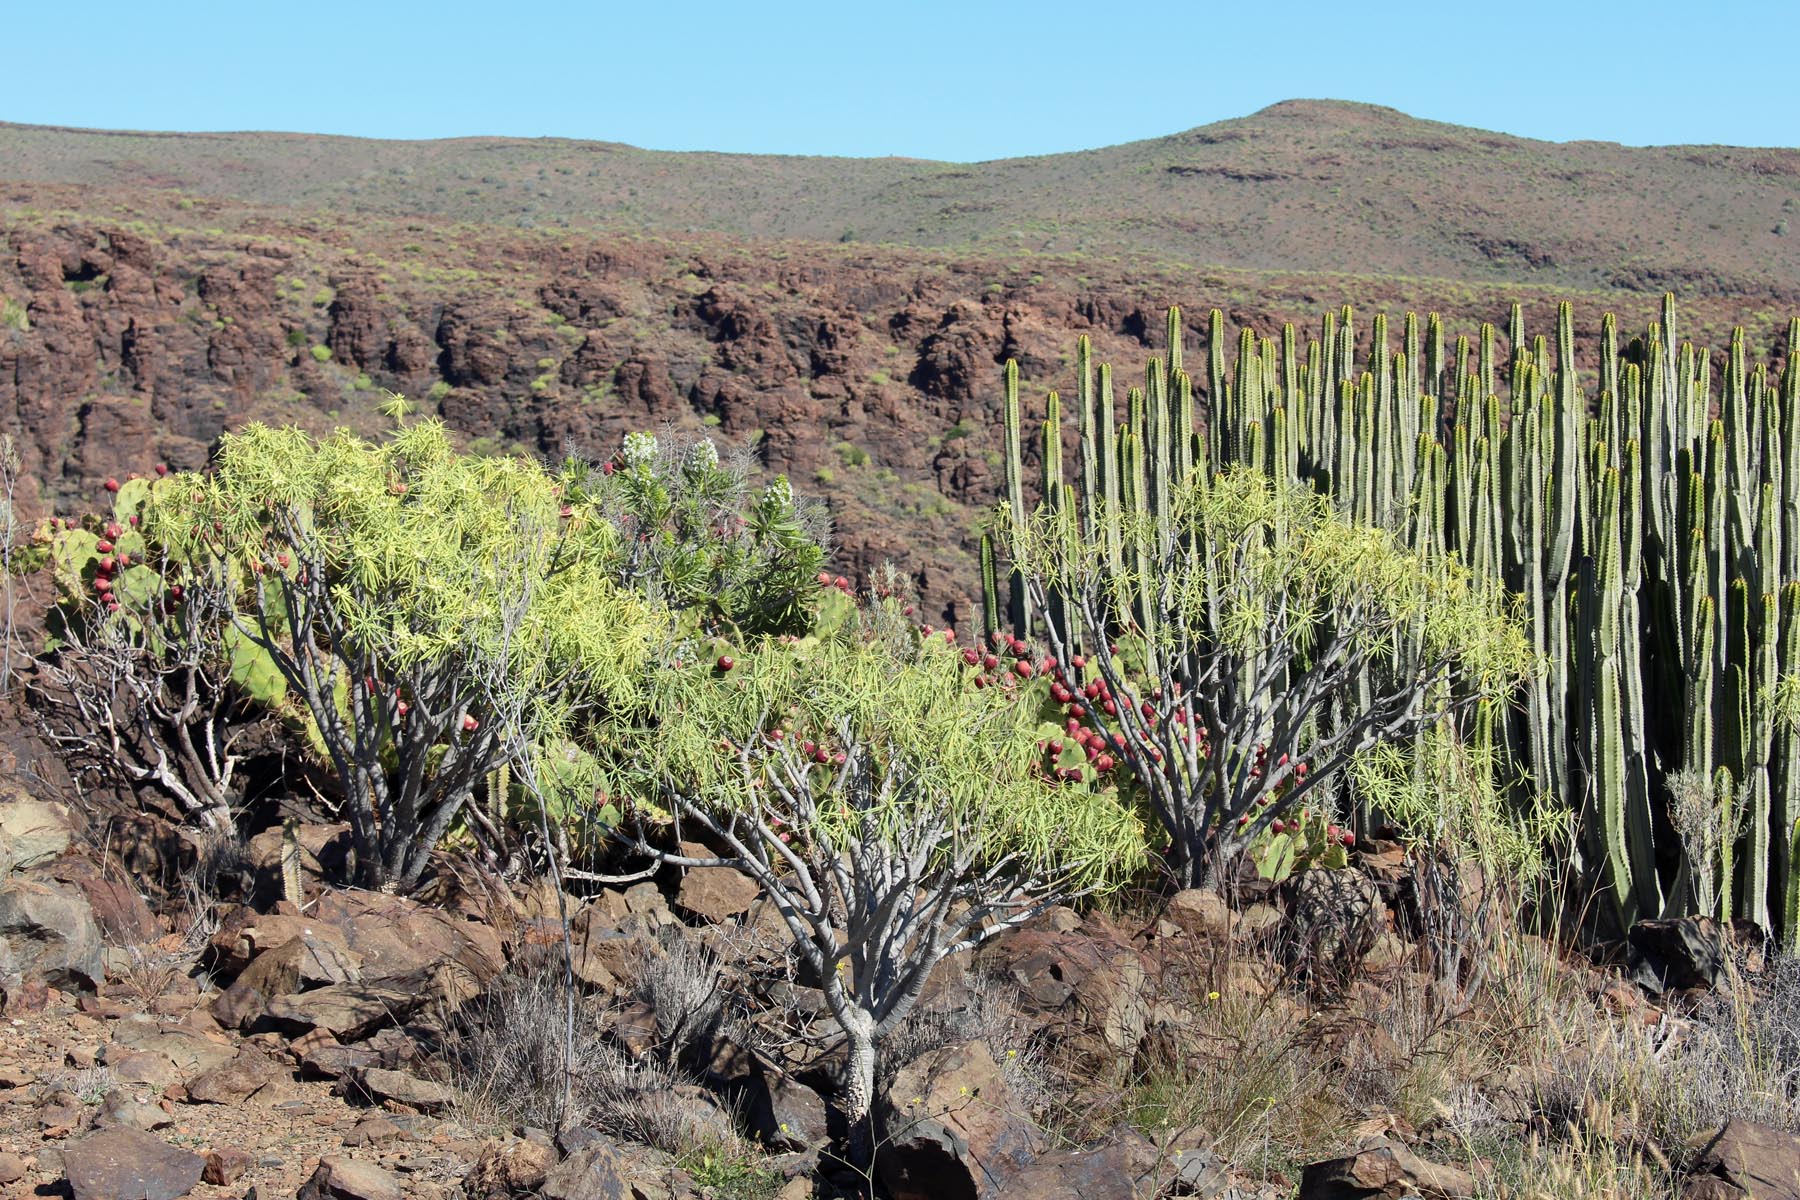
(1655, 547)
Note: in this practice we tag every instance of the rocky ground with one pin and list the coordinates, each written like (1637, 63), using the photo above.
(364, 1046)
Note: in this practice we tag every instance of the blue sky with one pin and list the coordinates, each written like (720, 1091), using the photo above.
(929, 79)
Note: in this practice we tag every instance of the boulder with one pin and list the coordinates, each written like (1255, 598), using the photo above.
(340, 1177)
(1383, 1170)
(402, 1088)
(947, 1126)
(604, 1170)
(784, 1113)
(232, 1082)
(120, 1109)
(346, 1011)
(50, 932)
(1745, 1161)
(1092, 981)
(714, 894)
(1673, 955)
(306, 960)
(1124, 1167)
(120, 1162)
(239, 1006)
(119, 910)
(324, 852)
(332, 1061)
(33, 831)
(188, 1050)
(1199, 911)
(226, 1167)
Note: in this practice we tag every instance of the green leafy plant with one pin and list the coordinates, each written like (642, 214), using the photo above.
(1286, 640)
(697, 537)
(383, 580)
(893, 814)
(143, 683)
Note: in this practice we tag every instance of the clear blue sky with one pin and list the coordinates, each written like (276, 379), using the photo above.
(950, 79)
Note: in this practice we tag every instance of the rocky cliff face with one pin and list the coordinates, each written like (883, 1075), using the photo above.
(869, 376)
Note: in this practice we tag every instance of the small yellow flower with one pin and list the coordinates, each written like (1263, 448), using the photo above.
(1213, 996)
(1012, 1054)
(915, 1100)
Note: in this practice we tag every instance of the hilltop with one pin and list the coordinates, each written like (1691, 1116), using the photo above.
(1302, 186)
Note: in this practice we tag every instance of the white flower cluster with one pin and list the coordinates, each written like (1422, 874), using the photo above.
(779, 494)
(640, 449)
(703, 456)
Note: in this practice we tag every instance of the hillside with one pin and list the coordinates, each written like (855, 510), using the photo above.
(1302, 186)
(136, 325)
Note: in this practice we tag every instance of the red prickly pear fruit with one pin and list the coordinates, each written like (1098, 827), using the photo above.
(808, 748)
(1104, 763)
(133, 519)
(1076, 710)
(113, 529)
(1074, 727)
(776, 735)
(1109, 708)
(1056, 746)
(1243, 820)
(1078, 662)
(907, 611)
(1022, 670)
(1301, 770)
(970, 657)
(103, 547)
(112, 485)
(175, 590)
(162, 469)
(841, 583)
(726, 662)
(103, 586)
(1118, 740)
(839, 758)
(606, 468)
(1147, 709)
(281, 560)
(990, 661)
(1282, 761)
(1333, 833)
(824, 578)
(981, 681)
(1349, 838)
(470, 724)
(949, 635)
(124, 560)
(104, 566)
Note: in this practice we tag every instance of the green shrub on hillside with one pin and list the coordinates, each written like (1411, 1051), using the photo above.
(893, 814)
(697, 537)
(1287, 640)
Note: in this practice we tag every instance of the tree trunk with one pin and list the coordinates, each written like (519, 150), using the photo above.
(857, 1098)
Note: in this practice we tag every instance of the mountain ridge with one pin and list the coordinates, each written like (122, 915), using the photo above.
(1301, 185)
